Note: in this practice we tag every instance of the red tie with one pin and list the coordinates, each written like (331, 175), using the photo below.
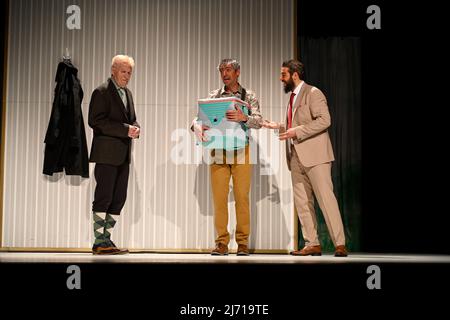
(291, 100)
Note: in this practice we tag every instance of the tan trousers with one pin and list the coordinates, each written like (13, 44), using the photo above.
(234, 164)
(310, 181)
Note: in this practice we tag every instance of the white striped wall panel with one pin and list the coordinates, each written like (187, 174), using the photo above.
(177, 45)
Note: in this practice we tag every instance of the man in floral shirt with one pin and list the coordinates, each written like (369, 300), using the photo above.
(221, 168)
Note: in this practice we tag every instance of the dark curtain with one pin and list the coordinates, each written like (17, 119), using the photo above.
(333, 64)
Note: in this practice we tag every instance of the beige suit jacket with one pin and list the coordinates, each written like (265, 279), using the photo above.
(311, 120)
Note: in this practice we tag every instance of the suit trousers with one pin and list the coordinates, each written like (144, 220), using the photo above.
(111, 190)
(235, 164)
(310, 181)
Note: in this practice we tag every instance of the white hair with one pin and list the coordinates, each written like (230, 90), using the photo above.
(121, 58)
(233, 62)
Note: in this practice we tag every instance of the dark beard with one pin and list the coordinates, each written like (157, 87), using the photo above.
(289, 86)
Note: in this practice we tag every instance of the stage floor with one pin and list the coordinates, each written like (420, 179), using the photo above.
(164, 282)
(205, 258)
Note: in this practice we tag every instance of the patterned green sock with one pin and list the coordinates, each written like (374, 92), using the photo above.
(109, 224)
(99, 227)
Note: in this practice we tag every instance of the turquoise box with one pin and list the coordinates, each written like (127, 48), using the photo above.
(223, 134)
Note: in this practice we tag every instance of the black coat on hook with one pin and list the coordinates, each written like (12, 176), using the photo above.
(65, 140)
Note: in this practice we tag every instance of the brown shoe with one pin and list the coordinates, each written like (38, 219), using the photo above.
(220, 250)
(242, 250)
(341, 251)
(102, 250)
(108, 249)
(308, 251)
(118, 250)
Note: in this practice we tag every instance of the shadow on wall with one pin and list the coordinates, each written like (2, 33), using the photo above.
(262, 188)
(265, 188)
(173, 224)
(133, 211)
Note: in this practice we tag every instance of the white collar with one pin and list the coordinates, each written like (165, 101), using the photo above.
(298, 88)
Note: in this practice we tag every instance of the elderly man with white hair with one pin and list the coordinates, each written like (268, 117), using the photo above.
(113, 120)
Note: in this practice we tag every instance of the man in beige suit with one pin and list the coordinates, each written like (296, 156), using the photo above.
(309, 155)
